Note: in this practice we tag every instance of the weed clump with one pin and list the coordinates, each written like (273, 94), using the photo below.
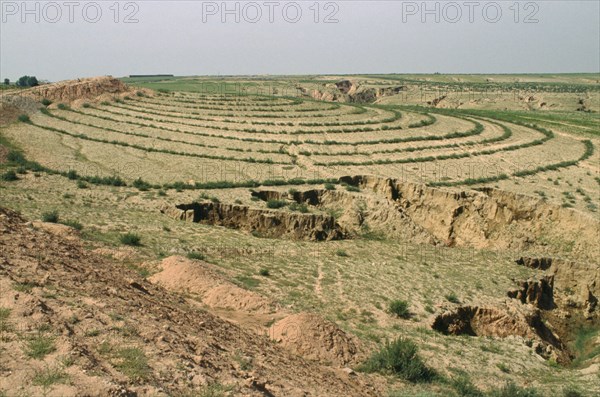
(131, 239)
(399, 308)
(400, 358)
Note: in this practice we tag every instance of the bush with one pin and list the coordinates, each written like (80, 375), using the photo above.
(400, 358)
(141, 184)
(24, 118)
(264, 272)
(276, 204)
(86, 105)
(82, 185)
(10, 176)
(62, 106)
(341, 252)
(46, 102)
(74, 224)
(72, 175)
(452, 298)
(465, 388)
(399, 308)
(16, 157)
(329, 186)
(131, 239)
(51, 217)
(512, 390)
(195, 255)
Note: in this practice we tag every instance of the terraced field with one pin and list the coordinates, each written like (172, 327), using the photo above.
(196, 139)
(338, 209)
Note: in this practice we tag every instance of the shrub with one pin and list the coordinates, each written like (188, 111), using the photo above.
(452, 298)
(571, 391)
(464, 387)
(131, 239)
(74, 224)
(276, 204)
(141, 184)
(82, 185)
(195, 255)
(329, 186)
(16, 157)
(10, 176)
(51, 216)
(86, 105)
(399, 308)
(46, 102)
(399, 358)
(72, 175)
(303, 208)
(512, 390)
(351, 188)
(341, 252)
(62, 106)
(264, 272)
(23, 118)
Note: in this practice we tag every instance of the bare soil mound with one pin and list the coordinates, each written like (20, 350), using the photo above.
(121, 335)
(70, 90)
(315, 338)
(203, 280)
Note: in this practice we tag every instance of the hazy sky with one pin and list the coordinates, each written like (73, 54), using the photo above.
(191, 37)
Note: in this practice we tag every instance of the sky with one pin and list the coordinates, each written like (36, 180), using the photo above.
(70, 39)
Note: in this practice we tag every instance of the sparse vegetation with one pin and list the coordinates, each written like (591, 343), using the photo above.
(131, 239)
(399, 308)
(50, 216)
(39, 346)
(400, 357)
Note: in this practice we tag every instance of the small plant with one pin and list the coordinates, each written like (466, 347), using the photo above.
(503, 367)
(49, 377)
(74, 224)
(399, 308)
(351, 188)
(130, 239)
(195, 255)
(141, 185)
(400, 358)
(133, 363)
(10, 176)
(264, 272)
(452, 298)
(24, 118)
(50, 217)
(464, 387)
(276, 204)
(82, 185)
(46, 102)
(512, 390)
(329, 186)
(5, 325)
(62, 106)
(341, 253)
(40, 346)
(86, 105)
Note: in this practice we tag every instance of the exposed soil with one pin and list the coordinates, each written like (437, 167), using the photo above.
(266, 223)
(95, 311)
